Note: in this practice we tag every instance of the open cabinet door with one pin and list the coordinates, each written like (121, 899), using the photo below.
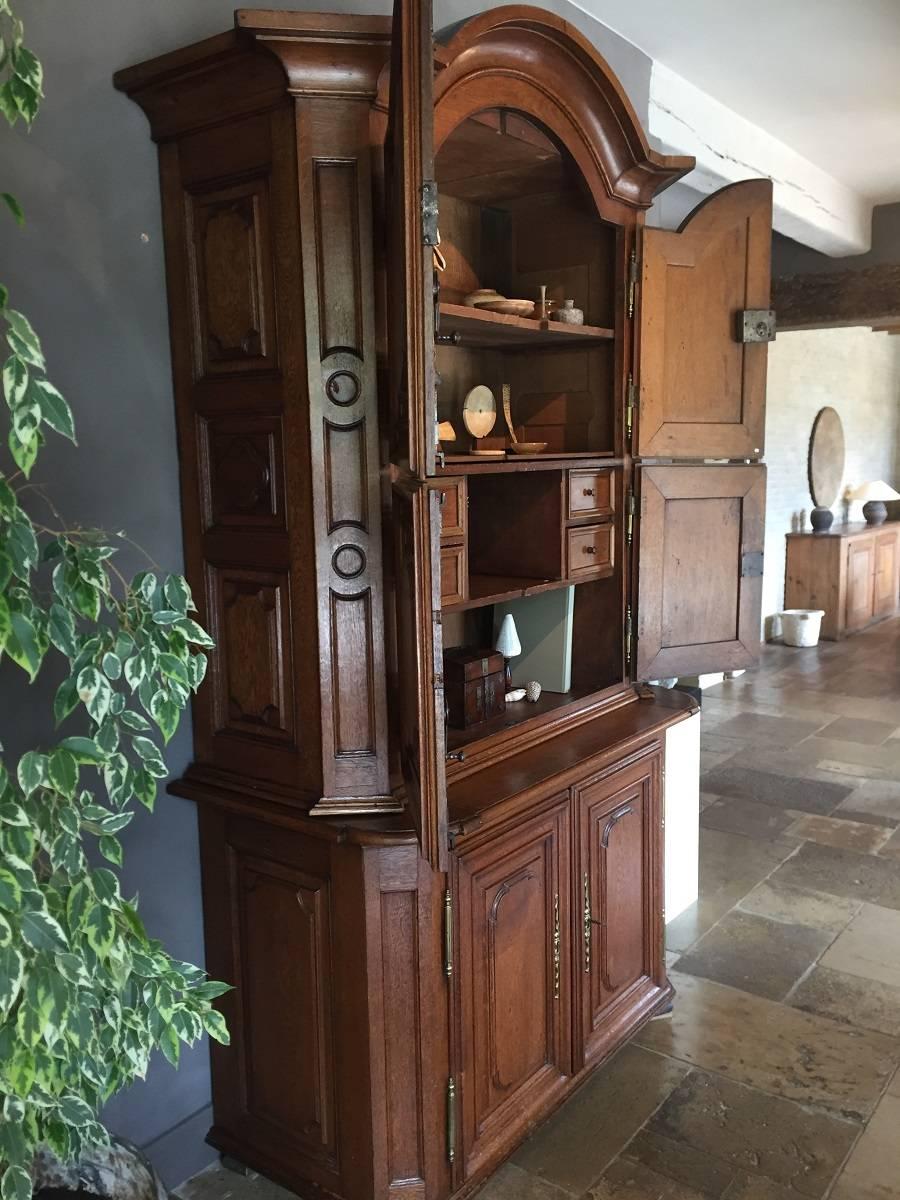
(700, 563)
(702, 384)
(416, 523)
(411, 212)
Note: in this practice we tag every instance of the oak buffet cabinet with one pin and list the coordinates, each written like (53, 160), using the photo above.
(851, 571)
(435, 933)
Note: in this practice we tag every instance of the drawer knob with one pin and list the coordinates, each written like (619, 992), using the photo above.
(587, 491)
(590, 549)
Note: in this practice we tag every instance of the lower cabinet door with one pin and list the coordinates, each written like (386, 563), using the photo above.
(619, 960)
(513, 990)
(886, 564)
(860, 583)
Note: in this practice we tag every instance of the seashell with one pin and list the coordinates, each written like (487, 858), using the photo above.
(514, 695)
(533, 691)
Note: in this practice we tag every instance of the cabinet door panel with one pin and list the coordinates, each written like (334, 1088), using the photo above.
(513, 998)
(886, 564)
(703, 391)
(409, 167)
(860, 583)
(418, 707)
(699, 569)
(621, 919)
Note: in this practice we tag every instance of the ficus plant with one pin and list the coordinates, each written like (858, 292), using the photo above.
(86, 995)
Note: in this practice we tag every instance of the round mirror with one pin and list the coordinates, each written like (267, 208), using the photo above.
(826, 458)
(479, 411)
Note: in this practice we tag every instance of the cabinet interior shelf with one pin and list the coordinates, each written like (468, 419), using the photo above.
(498, 330)
(494, 589)
(515, 714)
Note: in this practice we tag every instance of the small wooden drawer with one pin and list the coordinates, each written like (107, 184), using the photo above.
(453, 574)
(453, 509)
(589, 551)
(590, 494)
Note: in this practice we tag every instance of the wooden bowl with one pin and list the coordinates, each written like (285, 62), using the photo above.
(510, 308)
(528, 447)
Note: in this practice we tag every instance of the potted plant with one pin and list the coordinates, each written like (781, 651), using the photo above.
(86, 994)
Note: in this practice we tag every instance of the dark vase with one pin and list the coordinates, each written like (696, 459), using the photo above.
(821, 519)
(875, 511)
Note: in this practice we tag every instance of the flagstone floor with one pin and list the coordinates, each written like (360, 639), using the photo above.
(777, 1076)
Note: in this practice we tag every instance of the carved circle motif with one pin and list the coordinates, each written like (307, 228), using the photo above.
(348, 561)
(342, 387)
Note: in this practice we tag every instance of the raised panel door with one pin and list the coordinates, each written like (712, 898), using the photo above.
(619, 963)
(513, 980)
(860, 583)
(886, 565)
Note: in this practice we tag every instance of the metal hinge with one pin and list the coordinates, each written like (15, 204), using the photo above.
(448, 933)
(630, 406)
(632, 281)
(628, 635)
(629, 519)
(451, 1119)
(752, 564)
(430, 235)
(756, 325)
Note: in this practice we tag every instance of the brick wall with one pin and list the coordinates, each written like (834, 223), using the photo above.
(858, 373)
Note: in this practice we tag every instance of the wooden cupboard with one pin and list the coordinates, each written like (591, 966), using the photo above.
(852, 572)
(434, 932)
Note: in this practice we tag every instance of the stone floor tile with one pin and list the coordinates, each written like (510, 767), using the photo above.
(780, 730)
(846, 835)
(755, 954)
(575, 1146)
(714, 742)
(218, 1183)
(873, 1169)
(865, 1003)
(858, 729)
(734, 814)
(773, 1047)
(843, 873)
(782, 791)
(678, 1160)
(891, 848)
(628, 1180)
(512, 1183)
(869, 946)
(742, 1128)
(875, 798)
(730, 865)
(708, 798)
(754, 1187)
(874, 759)
(797, 906)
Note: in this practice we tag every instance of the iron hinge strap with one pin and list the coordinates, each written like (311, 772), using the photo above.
(632, 281)
(451, 1119)
(430, 235)
(629, 519)
(628, 635)
(448, 933)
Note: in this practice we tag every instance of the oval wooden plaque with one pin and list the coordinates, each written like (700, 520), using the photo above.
(826, 458)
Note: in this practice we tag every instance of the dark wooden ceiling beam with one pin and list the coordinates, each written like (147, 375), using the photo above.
(870, 296)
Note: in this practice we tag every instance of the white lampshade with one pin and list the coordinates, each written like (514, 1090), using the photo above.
(508, 643)
(877, 490)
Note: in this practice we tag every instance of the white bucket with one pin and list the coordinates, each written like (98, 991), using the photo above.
(800, 626)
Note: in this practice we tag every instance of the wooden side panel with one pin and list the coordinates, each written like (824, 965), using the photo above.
(620, 960)
(860, 583)
(702, 391)
(887, 564)
(336, 241)
(513, 985)
(419, 699)
(409, 165)
(814, 578)
(699, 569)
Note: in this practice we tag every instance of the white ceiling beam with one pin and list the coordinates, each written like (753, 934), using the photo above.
(811, 206)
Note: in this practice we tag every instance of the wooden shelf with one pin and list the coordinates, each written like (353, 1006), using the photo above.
(493, 589)
(515, 714)
(496, 330)
(472, 464)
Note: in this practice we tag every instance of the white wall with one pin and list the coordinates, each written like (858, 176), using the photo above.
(855, 371)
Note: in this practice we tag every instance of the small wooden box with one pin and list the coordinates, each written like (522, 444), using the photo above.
(474, 686)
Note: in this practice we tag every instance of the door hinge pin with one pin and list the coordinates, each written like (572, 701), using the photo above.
(629, 519)
(628, 635)
(630, 405)
(557, 947)
(632, 281)
(448, 933)
(451, 1119)
(430, 235)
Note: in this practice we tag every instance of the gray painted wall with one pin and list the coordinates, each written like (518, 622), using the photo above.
(88, 270)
